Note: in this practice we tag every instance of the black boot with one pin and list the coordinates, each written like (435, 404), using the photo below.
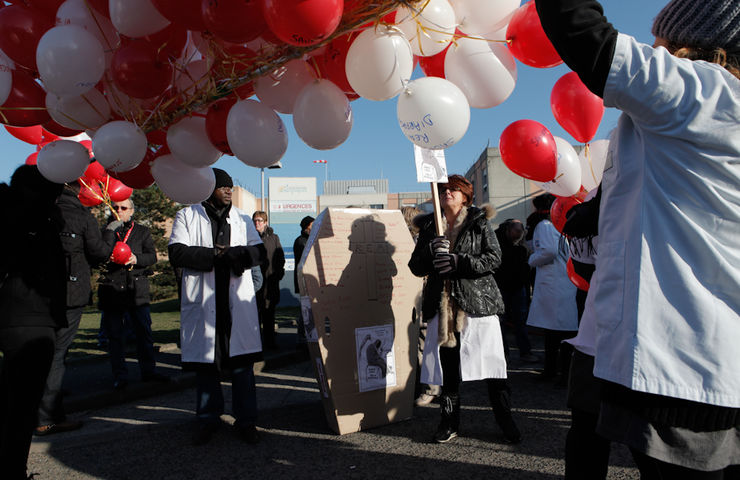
(500, 396)
(450, 421)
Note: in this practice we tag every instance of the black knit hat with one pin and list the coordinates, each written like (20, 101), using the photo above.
(223, 179)
(700, 23)
(306, 221)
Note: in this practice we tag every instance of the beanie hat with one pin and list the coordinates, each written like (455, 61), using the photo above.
(458, 182)
(306, 221)
(700, 23)
(223, 179)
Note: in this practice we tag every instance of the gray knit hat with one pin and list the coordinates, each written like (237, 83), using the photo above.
(700, 23)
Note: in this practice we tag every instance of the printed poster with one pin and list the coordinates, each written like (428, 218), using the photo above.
(376, 361)
(430, 165)
(309, 325)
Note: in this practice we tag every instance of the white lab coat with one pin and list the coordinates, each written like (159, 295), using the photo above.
(554, 299)
(665, 296)
(192, 227)
(481, 351)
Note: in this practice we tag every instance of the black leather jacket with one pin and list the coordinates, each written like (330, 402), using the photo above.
(472, 284)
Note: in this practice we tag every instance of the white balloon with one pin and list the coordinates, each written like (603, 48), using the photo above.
(433, 113)
(6, 76)
(183, 183)
(279, 89)
(77, 12)
(188, 141)
(70, 60)
(476, 17)
(322, 116)
(592, 165)
(119, 145)
(63, 161)
(567, 181)
(430, 30)
(136, 18)
(485, 72)
(256, 134)
(193, 78)
(79, 112)
(379, 63)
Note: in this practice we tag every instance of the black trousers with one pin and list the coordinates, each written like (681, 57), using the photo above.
(51, 409)
(557, 352)
(28, 352)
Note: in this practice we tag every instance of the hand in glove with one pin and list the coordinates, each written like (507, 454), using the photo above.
(439, 245)
(445, 263)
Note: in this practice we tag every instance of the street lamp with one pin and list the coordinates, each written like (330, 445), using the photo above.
(262, 183)
(326, 169)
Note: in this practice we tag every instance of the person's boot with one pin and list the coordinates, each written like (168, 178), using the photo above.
(450, 421)
(500, 396)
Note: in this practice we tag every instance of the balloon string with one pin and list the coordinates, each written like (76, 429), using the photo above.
(100, 27)
(105, 198)
(590, 163)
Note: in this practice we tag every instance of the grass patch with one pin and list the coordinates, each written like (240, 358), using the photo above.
(165, 328)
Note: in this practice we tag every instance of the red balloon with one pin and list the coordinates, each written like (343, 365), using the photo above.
(25, 94)
(138, 72)
(216, 124)
(95, 171)
(528, 149)
(101, 6)
(576, 108)
(21, 28)
(434, 66)
(578, 281)
(331, 62)
(32, 159)
(302, 23)
(117, 190)
(559, 211)
(32, 135)
(53, 127)
(183, 12)
(141, 176)
(168, 43)
(236, 21)
(157, 137)
(121, 253)
(90, 192)
(527, 40)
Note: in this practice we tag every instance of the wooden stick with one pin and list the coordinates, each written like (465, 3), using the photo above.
(437, 210)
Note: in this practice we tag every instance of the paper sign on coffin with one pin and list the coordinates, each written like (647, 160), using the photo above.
(360, 304)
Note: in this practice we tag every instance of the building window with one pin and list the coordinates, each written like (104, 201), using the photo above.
(377, 206)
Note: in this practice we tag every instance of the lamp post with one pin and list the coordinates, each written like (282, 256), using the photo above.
(262, 183)
(326, 169)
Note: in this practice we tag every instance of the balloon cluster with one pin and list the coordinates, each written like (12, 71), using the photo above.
(163, 87)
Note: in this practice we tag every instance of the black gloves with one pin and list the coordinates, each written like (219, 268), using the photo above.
(439, 245)
(445, 263)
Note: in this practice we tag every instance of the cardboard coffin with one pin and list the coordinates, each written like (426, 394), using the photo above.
(359, 302)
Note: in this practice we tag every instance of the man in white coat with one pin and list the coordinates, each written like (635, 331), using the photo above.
(216, 245)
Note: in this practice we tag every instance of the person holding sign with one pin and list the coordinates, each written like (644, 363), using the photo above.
(461, 304)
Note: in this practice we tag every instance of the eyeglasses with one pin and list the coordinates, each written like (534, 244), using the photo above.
(225, 188)
(444, 188)
(259, 220)
(118, 207)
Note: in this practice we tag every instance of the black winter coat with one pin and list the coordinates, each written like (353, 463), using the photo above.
(298, 246)
(273, 270)
(83, 247)
(472, 284)
(32, 272)
(121, 288)
(513, 273)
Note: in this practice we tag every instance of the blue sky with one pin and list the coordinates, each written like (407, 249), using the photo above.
(376, 147)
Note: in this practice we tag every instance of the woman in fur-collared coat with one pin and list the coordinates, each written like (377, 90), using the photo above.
(461, 303)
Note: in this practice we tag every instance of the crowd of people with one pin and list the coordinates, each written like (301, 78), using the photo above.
(645, 342)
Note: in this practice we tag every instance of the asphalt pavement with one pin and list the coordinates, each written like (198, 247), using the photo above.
(144, 432)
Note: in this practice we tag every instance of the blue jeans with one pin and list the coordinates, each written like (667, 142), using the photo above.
(141, 322)
(515, 304)
(210, 398)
